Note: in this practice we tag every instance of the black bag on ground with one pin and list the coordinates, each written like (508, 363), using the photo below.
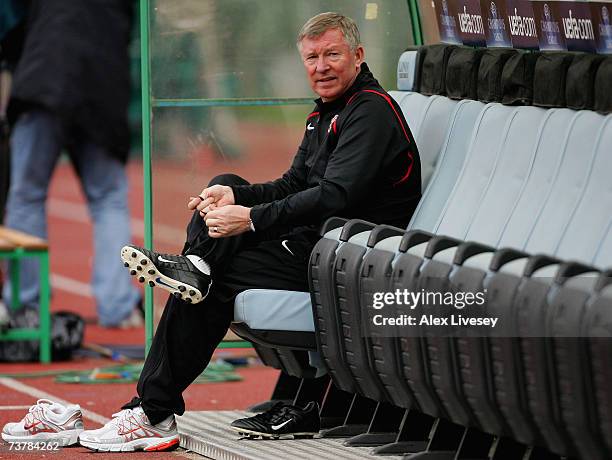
(67, 330)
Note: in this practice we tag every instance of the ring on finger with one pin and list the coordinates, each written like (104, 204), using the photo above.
(215, 229)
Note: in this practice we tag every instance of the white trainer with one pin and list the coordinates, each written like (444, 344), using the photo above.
(130, 430)
(47, 421)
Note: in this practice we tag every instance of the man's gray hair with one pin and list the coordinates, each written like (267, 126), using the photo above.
(323, 22)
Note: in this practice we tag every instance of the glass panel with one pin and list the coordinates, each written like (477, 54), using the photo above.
(429, 24)
(193, 145)
(246, 48)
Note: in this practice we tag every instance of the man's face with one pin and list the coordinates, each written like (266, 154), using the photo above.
(330, 63)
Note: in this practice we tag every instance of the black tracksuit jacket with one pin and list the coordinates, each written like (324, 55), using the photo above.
(358, 159)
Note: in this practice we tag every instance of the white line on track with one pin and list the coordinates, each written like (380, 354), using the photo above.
(14, 407)
(39, 394)
(70, 285)
(77, 212)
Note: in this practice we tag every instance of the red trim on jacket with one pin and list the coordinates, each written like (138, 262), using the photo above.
(399, 119)
(313, 114)
(407, 175)
(352, 97)
(388, 99)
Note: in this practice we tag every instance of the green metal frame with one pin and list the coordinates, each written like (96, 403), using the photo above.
(415, 19)
(43, 332)
(231, 102)
(148, 102)
(145, 72)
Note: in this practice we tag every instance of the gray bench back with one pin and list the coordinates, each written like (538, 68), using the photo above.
(448, 166)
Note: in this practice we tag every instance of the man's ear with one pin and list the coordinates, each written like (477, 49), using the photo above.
(359, 55)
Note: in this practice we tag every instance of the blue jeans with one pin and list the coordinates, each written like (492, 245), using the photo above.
(36, 144)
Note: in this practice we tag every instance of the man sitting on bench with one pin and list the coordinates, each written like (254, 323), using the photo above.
(357, 159)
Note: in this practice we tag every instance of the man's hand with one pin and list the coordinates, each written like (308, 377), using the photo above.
(211, 198)
(228, 220)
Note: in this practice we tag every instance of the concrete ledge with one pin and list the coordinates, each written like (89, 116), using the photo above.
(207, 433)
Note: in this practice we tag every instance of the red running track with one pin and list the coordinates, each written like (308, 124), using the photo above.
(71, 261)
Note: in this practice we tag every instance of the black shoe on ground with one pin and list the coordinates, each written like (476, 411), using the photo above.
(281, 421)
(185, 277)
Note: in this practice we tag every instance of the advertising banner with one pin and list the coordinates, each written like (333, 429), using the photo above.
(577, 26)
(447, 21)
(548, 23)
(471, 23)
(497, 28)
(602, 24)
(522, 21)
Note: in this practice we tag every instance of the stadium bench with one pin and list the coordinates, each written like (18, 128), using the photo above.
(261, 312)
(519, 204)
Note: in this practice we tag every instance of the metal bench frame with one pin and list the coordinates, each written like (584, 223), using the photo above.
(16, 246)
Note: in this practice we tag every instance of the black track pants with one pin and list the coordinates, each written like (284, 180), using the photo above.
(188, 334)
